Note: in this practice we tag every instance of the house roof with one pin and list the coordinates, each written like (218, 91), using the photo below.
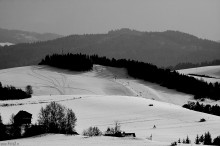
(23, 114)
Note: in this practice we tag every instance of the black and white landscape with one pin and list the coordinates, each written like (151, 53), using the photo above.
(121, 73)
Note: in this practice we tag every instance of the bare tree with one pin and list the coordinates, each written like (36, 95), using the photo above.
(117, 127)
(70, 121)
(29, 90)
(11, 121)
(57, 119)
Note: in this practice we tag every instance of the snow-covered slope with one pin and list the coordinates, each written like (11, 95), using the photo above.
(211, 71)
(62, 140)
(101, 97)
(101, 81)
(6, 44)
(50, 81)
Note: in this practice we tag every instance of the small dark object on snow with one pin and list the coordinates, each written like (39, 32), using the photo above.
(202, 120)
(121, 134)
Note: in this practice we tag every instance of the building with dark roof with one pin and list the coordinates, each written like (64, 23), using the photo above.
(22, 118)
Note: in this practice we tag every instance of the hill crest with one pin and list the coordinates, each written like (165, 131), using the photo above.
(20, 36)
(159, 48)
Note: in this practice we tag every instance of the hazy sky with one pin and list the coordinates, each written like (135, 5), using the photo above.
(198, 17)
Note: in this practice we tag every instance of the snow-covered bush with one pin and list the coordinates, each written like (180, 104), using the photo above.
(92, 131)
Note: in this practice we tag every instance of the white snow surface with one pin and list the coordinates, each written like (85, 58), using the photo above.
(101, 97)
(6, 44)
(133, 113)
(62, 140)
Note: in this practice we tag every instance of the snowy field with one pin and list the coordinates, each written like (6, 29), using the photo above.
(62, 140)
(134, 114)
(212, 71)
(101, 97)
(6, 44)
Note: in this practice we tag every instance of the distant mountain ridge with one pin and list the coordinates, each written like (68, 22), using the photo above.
(160, 48)
(19, 36)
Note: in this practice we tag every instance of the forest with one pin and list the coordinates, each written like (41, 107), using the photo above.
(205, 139)
(209, 109)
(191, 65)
(140, 70)
(76, 62)
(12, 93)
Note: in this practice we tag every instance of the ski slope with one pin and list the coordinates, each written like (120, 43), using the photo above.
(100, 81)
(50, 81)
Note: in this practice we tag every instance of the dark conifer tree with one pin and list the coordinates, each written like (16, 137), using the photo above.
(187, 140)
(216, 141)
(201, 139)
(197, 139)
(207, 139)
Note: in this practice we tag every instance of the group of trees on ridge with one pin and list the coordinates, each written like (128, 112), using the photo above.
(214, 109)
(12, 93)
(140, 70)
(76, 62)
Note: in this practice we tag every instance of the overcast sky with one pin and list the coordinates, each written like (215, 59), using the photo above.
(197, 17)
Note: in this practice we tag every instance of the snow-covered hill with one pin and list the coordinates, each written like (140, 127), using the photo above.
(101, 81)
(212, 71)
(51, 81)
(101, 97)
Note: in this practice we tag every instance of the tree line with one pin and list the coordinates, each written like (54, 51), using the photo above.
(214, 109)
(140, 70)
(76, 62)
(205, 139)
(191, 65)
(12, 93)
